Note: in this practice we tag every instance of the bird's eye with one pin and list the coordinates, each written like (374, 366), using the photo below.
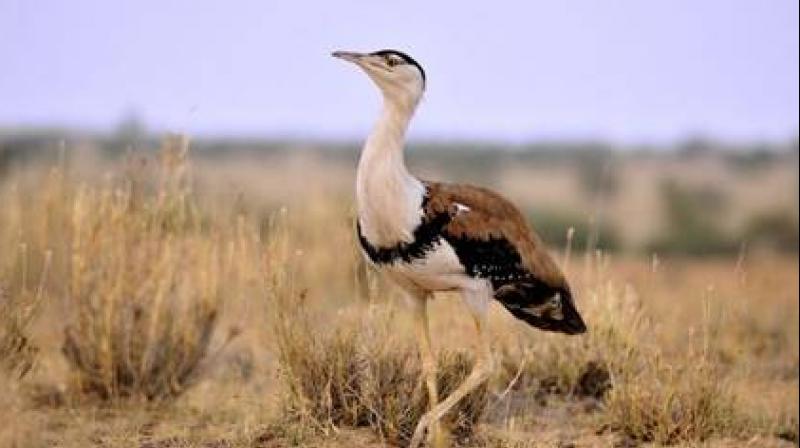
(391, 62)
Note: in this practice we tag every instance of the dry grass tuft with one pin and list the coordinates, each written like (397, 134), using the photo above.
(668, 405)
(17, 352)
(20, 303)
(358, 376)
(144, 293)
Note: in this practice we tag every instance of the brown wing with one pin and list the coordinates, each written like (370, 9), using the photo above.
(493, 240)
(492, 216)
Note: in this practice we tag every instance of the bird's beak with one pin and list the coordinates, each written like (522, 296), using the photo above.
(350, 56)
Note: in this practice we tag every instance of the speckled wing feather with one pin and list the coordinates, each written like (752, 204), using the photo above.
(493, 240)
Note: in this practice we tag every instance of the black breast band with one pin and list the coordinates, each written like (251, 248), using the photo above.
(426, 235)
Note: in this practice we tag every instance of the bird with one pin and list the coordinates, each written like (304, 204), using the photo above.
(430, 236)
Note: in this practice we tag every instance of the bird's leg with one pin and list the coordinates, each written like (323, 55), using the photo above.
(480, 373)
(428, 363)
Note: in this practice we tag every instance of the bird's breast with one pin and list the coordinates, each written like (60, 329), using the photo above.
(428, 261)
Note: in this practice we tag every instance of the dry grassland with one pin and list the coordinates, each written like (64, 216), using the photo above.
(148, 303)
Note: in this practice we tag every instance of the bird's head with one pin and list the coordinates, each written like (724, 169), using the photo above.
(398, 75)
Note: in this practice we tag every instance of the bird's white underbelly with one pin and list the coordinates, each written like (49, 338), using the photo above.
(438, 270)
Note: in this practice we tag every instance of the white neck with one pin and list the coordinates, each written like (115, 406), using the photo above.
(387, 195)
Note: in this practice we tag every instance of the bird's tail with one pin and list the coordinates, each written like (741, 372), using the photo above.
(549, 309)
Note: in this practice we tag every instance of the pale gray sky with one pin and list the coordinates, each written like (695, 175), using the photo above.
(627, 71)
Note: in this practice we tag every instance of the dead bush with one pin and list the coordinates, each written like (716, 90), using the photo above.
(144, 294)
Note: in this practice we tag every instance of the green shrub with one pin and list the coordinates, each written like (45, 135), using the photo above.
(691, 224)
(553, 226)
(775, 230)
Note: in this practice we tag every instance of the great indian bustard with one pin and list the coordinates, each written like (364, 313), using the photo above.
(431, 236)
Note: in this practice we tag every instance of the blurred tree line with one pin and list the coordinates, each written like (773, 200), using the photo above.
(692, 214)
